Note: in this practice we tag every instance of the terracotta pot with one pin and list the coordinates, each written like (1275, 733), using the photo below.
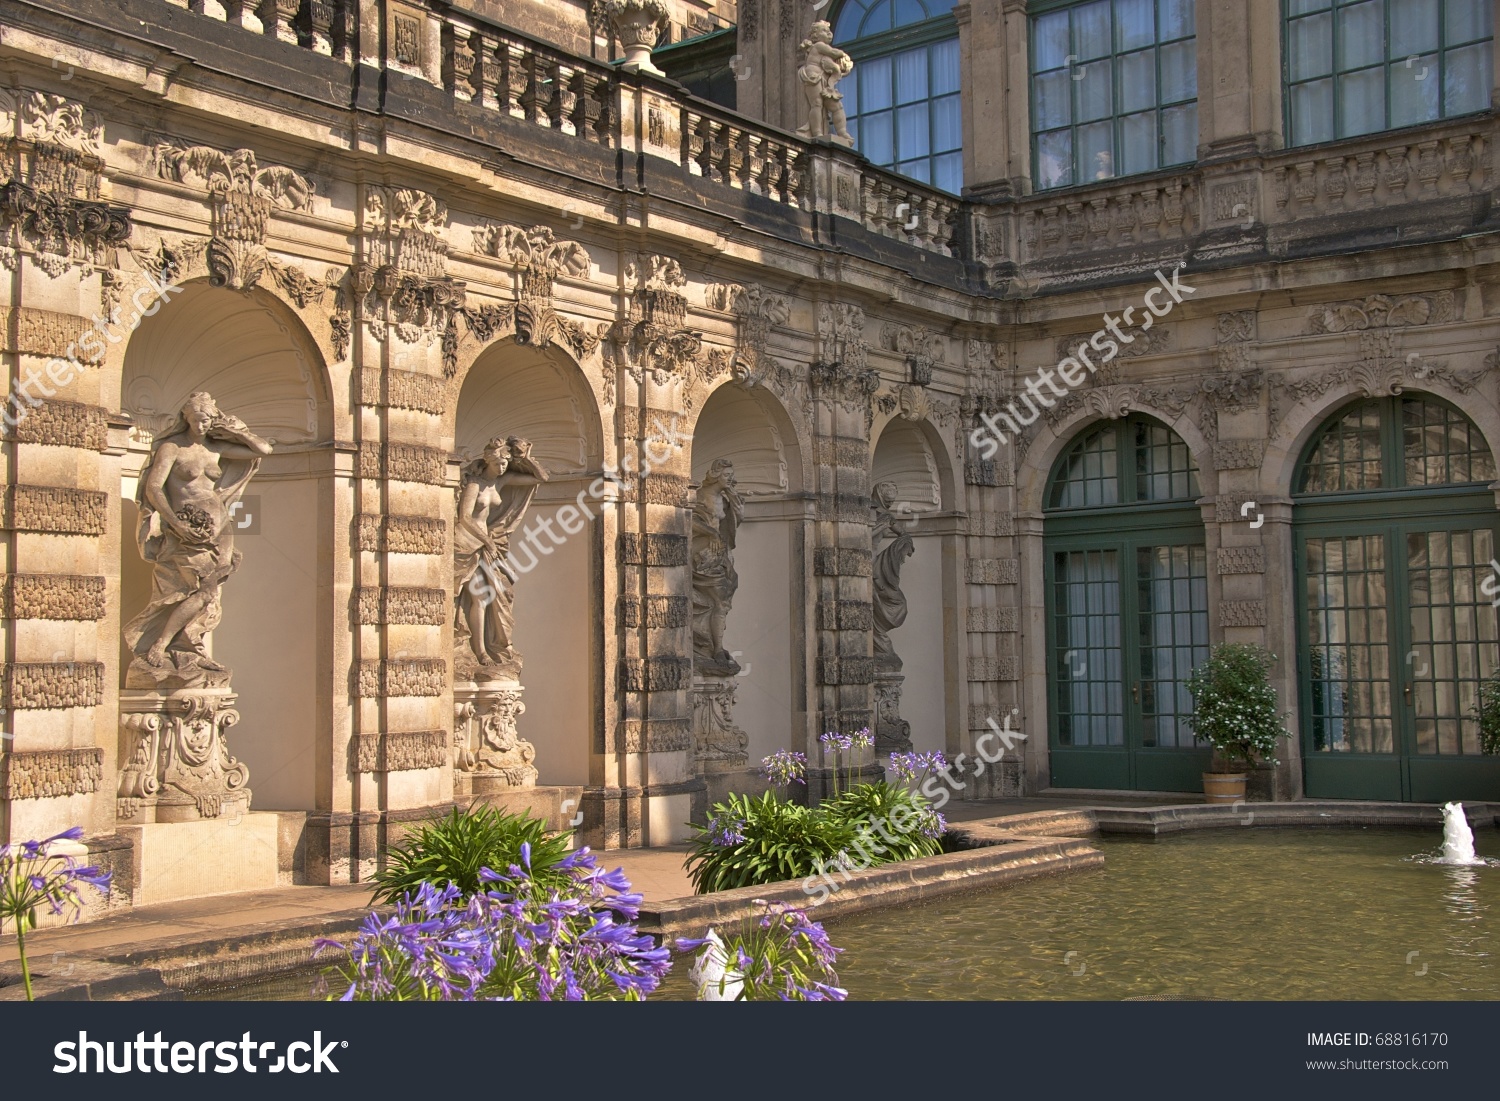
(1224, 787)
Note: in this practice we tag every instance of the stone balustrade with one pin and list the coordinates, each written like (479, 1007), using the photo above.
(1275, 195)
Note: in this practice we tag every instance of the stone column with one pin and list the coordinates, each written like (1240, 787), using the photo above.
(60, 504)
(843, 386)
(988, 60)
(654, 790)
(1239, 78)
(992, 612)
(396, 762)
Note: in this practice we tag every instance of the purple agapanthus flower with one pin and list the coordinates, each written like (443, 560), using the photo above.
(834, 740)
(725, 833)
(517, 940)
(784, 767)
(862, 738)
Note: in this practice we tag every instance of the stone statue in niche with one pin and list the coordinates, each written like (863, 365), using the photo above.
(717, 513)
(892, 545)
(195, 476)
(493, 497)
(823, 66)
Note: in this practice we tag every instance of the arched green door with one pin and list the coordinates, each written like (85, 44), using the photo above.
(1395, 549)
(1127, 610)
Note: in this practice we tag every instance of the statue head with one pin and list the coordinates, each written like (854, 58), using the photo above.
(200, 411)
(497, 456)
(885, 495)
(721, 470)
(821, 32)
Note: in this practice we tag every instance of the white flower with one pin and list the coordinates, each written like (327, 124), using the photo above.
(711, 974)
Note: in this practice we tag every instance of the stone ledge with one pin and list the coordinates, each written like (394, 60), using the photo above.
(884, 885)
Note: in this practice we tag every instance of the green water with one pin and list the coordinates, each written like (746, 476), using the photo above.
(1248, 914)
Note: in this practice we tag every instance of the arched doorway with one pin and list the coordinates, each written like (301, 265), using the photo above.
(1395, 542)
(543, 397)
(1127, 609)
(249, 352)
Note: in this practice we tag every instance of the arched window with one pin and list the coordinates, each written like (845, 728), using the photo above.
(1396, 540)
(1127, 616)
(903, 98)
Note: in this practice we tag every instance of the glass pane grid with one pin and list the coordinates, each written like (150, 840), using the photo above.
(1164, 466)
(1347, 456)
(1114, 90)
(1172, 585)
(1453, 635)
(1088, 660)
(905, 112)
(1441, 446)
(1359, 66)
(1348, 645)
(1089, 475)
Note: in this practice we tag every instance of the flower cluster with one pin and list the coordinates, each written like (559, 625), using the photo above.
(836, 741)
(933, 825)
(726, 830)
(783, 955)
(517, 941)
(784, 767)
(912, 766)
(862, 738)
(32, 875)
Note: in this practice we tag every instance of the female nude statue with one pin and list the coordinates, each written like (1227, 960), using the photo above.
(492, 498)
(196, 475)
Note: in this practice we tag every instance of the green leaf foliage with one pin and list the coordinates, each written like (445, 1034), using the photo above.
(1235, 709)
(453, 849)
(751, 841)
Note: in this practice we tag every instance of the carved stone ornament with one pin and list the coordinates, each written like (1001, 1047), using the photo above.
(718, 744)
(718, 511)
(756, 312)
(243, 195)
(922, 348)
(175, 764)
(656, 339)
(892, 732)
(842, 374)
(53, 208)
(402, 284)
(539, 257)
(637, 24)
(489, 750)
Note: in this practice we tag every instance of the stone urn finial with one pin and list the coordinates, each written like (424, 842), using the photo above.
(637, 24)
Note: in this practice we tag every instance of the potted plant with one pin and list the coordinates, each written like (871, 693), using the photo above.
(1488, 710)
(1235, 710)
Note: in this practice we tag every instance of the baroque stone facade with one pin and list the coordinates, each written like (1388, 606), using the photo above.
(740, 299)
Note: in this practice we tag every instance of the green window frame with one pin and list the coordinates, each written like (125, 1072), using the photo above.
(903, 100)
(1114, 89)
(1354, 67)
(1394, 532)
(1126, 576)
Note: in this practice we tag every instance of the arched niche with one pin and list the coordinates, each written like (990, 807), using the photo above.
(752, 430)
(543, 396)
(257, 361)
(907, 454)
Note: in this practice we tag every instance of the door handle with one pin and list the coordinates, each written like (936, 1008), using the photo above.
(1135, 691)
(1407, 690)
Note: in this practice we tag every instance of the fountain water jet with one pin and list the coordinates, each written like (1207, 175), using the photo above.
(1458, 838)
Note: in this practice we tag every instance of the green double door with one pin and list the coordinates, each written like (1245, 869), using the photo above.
(1127, 622)
(1399, 627)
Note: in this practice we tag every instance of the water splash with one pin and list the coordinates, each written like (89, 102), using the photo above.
(1458, 842)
